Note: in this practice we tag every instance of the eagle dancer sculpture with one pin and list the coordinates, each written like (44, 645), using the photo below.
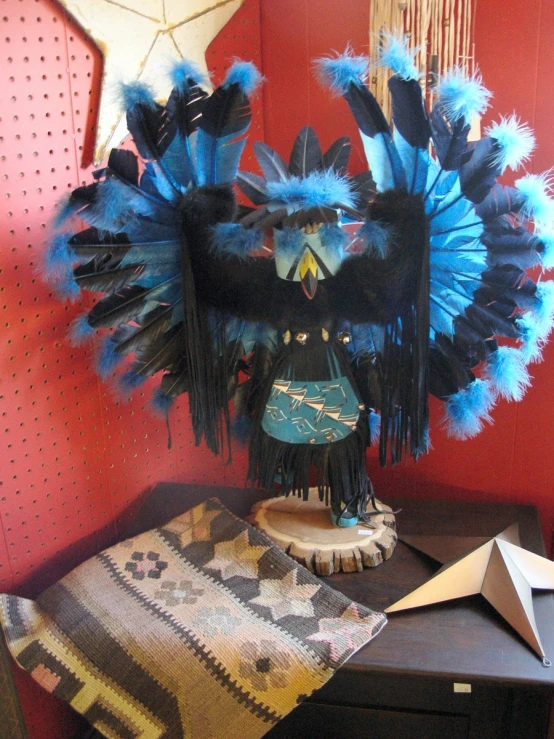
(329, 311)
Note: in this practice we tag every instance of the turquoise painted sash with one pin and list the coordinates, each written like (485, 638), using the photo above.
(300, 412)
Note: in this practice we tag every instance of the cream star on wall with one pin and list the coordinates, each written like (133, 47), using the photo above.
(138, 40)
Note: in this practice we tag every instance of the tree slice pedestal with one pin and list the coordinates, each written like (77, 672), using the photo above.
(304, 530)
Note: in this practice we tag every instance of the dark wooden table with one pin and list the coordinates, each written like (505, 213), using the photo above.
(455, 669)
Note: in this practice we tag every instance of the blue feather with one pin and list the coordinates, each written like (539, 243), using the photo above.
(81, 330)
(184, 71)
(374, 420)
(68, 289)
(288, 241)
(342, 75)
(161, 403)
(136, 93)
(112, 210)
(64, 210)
(415, 161)
(462, 97)
(378, 237)
(232, 238)
(130, 380)
(538, 204)
(543, 310)
(381, 155)
(334, 237)
(468, 410)
(547, 256)
(108, 359)
(177, 160)
(367, 339)
(508, 373)
(58, 258)
(217, 159)
(339, 72)
(516, 142)
(149, 232)
(395, 54)
(245, 75)
(162, 253)
(317, 190)
(531, 337)
(240, 428)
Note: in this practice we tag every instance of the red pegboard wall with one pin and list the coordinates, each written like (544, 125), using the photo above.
(74, 461)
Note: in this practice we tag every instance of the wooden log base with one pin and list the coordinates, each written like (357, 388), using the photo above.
(304, 530)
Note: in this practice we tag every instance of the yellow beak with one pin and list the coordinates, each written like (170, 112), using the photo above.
(307, 269)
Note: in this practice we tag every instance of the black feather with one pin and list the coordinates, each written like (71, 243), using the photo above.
(109, 280)
(253, 186)
(226, 116)
(371, 122)
(337, 155)
(306, 154)
(124, 163)
(408, 112)
(364, 189)
(449, 139)
(174, 384)
(226, 112)
(366, 110)
(118, 307)
(93, 237)
(492, 321)
(516, 246)
(183, 112)
(272, 164)
(156, 323)
(146, 125)
(164, 353)
(82, 196)
(447, 374)
(500, 201)
(478, 171)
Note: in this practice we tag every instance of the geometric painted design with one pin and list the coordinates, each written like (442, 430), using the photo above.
(311, 412)
(137, 638)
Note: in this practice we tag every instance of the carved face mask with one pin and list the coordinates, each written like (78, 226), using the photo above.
(310, 254)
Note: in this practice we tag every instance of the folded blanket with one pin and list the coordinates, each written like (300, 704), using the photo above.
(200, 628)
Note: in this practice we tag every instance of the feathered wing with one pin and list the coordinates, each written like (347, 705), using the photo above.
(134, 251)
(487, 317)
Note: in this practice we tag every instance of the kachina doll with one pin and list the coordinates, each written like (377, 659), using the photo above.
(328, 311)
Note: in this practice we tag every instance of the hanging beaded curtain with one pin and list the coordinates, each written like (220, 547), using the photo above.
(441, 30)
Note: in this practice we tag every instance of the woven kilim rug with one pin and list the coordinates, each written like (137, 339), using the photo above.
(201, 628)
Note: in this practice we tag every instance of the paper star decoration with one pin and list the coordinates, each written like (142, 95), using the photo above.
(138, 39)
(286, 597)
(236, 558)
(498, 569)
